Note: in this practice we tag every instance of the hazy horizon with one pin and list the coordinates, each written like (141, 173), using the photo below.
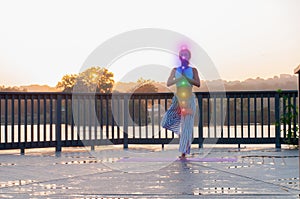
(243, 80)
(282, 81)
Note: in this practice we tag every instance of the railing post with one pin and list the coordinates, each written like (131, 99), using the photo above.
(277, 120)
(125, 127)
(22, 151)
(58, 125)
(200, 122)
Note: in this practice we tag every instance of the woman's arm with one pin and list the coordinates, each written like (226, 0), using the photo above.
(195, 81)
(172, 80)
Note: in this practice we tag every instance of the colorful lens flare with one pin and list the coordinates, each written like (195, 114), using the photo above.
(183, 82)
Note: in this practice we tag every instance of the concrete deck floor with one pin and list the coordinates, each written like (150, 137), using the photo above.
(78, 173)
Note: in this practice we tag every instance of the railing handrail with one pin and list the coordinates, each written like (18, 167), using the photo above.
(149, 93)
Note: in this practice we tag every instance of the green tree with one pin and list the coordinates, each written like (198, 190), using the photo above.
(67, 82)
(92, 79)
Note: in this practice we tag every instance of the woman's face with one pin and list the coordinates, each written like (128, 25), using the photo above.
(185, 55)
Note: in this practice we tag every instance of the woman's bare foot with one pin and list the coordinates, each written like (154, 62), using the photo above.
(182, 156)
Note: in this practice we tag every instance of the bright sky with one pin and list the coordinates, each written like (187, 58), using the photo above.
(40, 41)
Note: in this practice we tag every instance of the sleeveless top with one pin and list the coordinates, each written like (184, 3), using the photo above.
(187, 71)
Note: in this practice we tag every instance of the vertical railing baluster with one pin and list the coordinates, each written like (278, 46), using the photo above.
(215, 116)
(58, 125)
(38, 118)
(19, 122)
(66, 122)
(45, 118)
(146, 114)
(159, 120)
(228, 116)
(112, 118)
(125, 133)
(289, 111)
(298, 109)
(255, 116)
(248, 112)
(140, 122)
(152, 115)
(90, 121)
(208, 116)
(95, 117)
(1, 119)
(133, 116)
(269, 117)
(25, 122)
(73, 109)
(119, 117)
(101, 117)
(200, 122)
(12, 119)
(84, 117)
(166, 108)
(222, 117)
(262, 115)
(22, 152)
(6, 119)
(277, 120)
(51, 118)
(242, 115)
(78, 114)
(107, 118)
(235, 118)
(32, 120)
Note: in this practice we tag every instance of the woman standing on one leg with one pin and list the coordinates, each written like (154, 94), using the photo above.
(180, 116)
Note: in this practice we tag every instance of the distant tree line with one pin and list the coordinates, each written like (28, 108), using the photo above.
(284, 82)
(12, 89)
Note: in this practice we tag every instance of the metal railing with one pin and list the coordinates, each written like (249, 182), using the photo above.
(38, 120)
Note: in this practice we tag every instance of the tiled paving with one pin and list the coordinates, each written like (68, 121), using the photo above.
(251, 173)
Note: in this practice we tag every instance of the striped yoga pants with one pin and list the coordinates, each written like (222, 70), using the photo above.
(182, 125)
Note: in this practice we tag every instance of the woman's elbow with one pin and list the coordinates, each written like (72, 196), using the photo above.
(168, 84)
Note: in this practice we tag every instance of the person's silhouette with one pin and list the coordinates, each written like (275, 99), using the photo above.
(183, 103)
